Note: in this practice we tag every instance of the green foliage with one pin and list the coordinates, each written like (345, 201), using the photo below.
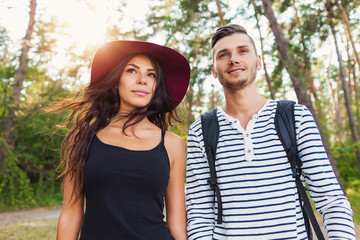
(277, 77)
(344, 154)
(285, 5)
(181, 129)
(15, 187)
(37, 148)
(47, 193)
(6, 72)
(28, 177)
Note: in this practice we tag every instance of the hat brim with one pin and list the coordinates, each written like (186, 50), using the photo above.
(175, 67)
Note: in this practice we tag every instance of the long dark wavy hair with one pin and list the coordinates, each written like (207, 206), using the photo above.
(95, 106)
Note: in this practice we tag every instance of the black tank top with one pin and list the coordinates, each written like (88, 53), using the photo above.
(124, 191)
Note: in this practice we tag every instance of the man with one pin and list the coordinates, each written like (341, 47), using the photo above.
(259, 195)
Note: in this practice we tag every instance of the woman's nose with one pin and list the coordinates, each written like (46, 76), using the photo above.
(142, 79)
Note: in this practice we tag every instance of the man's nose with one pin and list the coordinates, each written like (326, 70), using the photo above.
(234, 59)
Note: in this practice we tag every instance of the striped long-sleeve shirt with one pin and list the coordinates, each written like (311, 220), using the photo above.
(260, 199)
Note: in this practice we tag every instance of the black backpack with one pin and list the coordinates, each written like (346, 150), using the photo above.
(285, 128)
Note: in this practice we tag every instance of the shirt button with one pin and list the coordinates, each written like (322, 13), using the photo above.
(249, 151)
(247, 135)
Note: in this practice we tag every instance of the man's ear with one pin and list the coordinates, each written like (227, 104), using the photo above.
(258, 63)
(213, 71)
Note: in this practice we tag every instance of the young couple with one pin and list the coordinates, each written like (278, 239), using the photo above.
(119, 157)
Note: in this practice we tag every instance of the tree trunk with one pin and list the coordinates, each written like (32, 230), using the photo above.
(338, 110)
(292, 66)
(352, 123)
(8, 131)
(349, 70)
(334, 115)
(267, 77)
(306, 62)
(221, 15)
(345, 20)
(352, 70)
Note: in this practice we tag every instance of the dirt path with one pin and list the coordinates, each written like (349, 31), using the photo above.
(28, 215)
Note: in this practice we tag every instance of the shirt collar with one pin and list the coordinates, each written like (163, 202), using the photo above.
(230, 119)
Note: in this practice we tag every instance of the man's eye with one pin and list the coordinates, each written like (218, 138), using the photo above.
(223, 55)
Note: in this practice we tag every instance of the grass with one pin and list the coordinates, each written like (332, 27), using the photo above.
(32, 230)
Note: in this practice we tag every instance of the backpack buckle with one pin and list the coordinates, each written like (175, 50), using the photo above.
(292, 157)
(212, 184)
(295, 171)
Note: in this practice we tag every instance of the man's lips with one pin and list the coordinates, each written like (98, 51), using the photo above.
(235, 70)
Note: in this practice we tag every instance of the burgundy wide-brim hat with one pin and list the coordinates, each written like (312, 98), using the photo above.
(175, 67)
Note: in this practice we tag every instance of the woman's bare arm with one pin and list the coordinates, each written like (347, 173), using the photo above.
(175, 194)
(71, 216)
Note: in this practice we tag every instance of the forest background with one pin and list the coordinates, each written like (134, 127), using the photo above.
(310, 53)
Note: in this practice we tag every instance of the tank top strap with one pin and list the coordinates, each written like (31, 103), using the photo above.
(162, 136)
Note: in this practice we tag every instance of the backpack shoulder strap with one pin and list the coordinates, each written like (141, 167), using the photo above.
(286, 130)
(210, 131)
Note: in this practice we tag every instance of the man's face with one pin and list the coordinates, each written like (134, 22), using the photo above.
(235, 61)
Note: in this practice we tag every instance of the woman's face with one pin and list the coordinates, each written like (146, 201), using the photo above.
(137, 83)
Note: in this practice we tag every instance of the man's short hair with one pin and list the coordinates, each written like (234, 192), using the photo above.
(228, 30)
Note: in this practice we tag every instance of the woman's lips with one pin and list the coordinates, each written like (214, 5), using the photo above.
(140, 92)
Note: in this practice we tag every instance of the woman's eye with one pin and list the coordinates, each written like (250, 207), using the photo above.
(152, 75)
(131, 70)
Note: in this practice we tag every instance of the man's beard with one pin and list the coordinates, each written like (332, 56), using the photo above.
(237, 84)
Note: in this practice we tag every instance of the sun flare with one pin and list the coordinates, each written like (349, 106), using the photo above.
(86, 21)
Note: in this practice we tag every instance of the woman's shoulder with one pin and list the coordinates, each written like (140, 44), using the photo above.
(174, 144)
(175, 148)
(173, 138)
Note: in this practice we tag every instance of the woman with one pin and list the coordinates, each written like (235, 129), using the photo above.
(118, 157)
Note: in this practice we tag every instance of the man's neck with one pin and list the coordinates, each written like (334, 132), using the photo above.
(243, 104)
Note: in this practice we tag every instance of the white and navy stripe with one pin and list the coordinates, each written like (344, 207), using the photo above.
(259, 195)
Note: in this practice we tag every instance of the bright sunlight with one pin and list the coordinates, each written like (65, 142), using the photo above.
(84, 21)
